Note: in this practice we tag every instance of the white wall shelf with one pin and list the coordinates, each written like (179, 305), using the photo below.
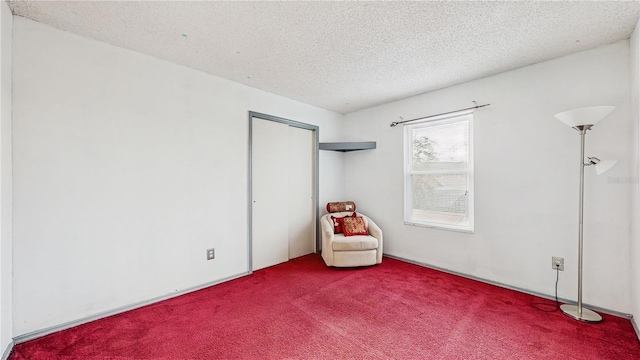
(348, 146)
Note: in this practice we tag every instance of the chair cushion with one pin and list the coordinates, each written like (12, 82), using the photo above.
(356, 242)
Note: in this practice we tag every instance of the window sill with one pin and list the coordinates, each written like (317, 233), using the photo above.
(441, 227)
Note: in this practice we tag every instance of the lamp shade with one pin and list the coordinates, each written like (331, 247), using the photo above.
(584, 116)
(604, 165)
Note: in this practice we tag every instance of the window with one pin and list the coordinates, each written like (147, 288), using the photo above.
(439, 172)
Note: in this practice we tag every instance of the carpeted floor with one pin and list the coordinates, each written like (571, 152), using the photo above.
(303, 310)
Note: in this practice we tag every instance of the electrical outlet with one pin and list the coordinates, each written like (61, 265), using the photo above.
(557, 262)
(211, 254)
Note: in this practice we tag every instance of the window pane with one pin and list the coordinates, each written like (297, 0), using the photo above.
(440, 198)
(441, 147)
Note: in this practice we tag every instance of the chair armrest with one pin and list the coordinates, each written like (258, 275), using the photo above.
(327, 228)
(327, 232)
(374, 230)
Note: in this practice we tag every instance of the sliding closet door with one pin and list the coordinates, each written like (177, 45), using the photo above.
(301, 192)
(283, 190)
(270, 232)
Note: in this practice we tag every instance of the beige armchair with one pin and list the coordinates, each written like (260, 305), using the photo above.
(349, 251)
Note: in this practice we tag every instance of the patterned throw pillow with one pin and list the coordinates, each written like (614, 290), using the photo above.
(338, 223)
(354, 226)
(341, 206)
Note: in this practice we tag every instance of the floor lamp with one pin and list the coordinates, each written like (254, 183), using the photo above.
(582, 120)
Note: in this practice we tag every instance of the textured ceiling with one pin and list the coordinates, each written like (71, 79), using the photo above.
(344, 56)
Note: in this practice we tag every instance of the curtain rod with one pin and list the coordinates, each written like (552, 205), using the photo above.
(430, 116)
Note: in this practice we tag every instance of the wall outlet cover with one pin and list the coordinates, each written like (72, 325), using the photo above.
(558, 262)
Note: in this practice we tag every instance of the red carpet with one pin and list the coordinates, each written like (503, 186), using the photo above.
(304, 310)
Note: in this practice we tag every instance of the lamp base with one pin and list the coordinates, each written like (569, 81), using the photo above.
(586, 316)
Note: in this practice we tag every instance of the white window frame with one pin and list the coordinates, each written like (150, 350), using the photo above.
(408, 158)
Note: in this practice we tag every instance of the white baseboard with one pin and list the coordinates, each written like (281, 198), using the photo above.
(635, 326)
(530, 292)
(46, 331)
(7, 351)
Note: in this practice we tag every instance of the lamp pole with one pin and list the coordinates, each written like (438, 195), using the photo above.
(577, 311)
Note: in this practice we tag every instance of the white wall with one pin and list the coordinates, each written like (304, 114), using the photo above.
(526, 178)
(126, 168)
(635, 205)
(6, 25)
